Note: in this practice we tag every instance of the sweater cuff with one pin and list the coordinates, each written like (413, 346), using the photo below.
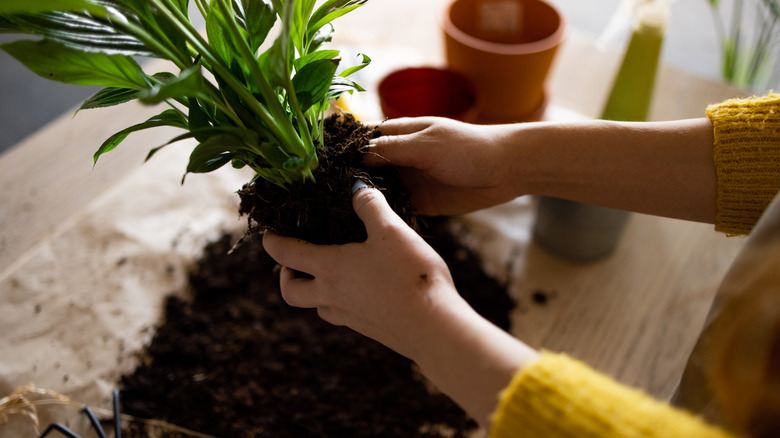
(747, 159)
(561, 397)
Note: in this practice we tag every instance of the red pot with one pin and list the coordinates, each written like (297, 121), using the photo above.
(427, 91)
(506, 47)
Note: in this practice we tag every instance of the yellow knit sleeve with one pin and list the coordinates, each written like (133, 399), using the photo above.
(561, 397)
(747, 159)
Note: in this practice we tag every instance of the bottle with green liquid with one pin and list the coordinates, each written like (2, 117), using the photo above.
(583, 232)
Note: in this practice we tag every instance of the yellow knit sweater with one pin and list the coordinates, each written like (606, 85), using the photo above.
(558, 397)
(561, 397)
(747, 159)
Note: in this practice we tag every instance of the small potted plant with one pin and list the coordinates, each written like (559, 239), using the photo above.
(748, 41)
(265, 109)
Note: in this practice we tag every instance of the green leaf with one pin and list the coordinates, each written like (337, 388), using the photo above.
(331, 10)
(33, 6)
(313, 81)
(278, 63)
(364, 63)
(279, 6)
(189, 84)
(81, 32)
(341, 85)
(773, 6)
(109, 97)
(203, 134)
(218, 37)
(54, 61)
(241, 158)
(166, 118)
(214, 153)
(315, 56)
(182, 5)
(323, 36)
(274, 155)
(260, 18)
(300, 21)
(198, 118)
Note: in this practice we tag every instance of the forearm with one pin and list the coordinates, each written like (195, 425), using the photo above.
(660, 168)
(468, 358)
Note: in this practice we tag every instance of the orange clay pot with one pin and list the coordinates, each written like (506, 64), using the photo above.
(506, 47)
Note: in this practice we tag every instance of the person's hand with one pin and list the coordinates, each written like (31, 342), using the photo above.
(385, 288)
(396, 289)
(449, 167)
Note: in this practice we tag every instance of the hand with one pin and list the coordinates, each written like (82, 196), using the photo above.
(448, 166)
(396, 289)
(384, 288)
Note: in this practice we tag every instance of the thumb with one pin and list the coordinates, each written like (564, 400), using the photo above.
(371, 207)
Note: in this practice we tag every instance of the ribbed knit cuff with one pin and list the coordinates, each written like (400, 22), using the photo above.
(747, 159)
(561, 397)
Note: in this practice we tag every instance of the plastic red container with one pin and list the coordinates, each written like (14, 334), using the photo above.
(428, 91)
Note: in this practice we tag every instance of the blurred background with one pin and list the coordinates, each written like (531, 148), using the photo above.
(693, 43)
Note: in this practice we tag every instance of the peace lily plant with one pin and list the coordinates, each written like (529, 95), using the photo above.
(262, 109)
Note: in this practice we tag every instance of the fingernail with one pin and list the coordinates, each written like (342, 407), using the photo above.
(372, 142)
(357, 185)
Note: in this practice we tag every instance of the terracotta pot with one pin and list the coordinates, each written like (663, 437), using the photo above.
(506, 47)
(427, 91)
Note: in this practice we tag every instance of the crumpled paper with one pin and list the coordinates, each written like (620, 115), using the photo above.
(79, 306)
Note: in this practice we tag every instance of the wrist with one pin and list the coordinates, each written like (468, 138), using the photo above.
(468, 358)
(523, 157)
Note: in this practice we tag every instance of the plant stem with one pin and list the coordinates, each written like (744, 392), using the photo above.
(298, 143)
(150, 41)
(203, 7)
(202, 47)
(218, 100)
(254, 69)
(733, 60)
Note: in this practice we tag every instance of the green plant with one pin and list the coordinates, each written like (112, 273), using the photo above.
(749, 44)
(262, 109)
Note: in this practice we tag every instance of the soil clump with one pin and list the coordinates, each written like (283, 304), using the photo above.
(322, 212)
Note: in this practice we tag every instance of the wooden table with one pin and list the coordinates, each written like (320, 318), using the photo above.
(635, 315)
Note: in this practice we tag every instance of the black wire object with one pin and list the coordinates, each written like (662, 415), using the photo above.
(93, 420)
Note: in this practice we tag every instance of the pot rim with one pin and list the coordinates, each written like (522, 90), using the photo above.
(505, 48)
(466, 84)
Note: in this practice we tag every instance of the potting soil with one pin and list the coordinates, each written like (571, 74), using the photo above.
(234, 360)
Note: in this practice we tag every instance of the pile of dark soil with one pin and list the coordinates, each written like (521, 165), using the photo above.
(233, 359)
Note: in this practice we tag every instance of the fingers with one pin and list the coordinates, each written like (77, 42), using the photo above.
(398, 150)
(292, 253)
(297, 258)
(406, 125)
(393, 146)
(298, 291)
(372, 208)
